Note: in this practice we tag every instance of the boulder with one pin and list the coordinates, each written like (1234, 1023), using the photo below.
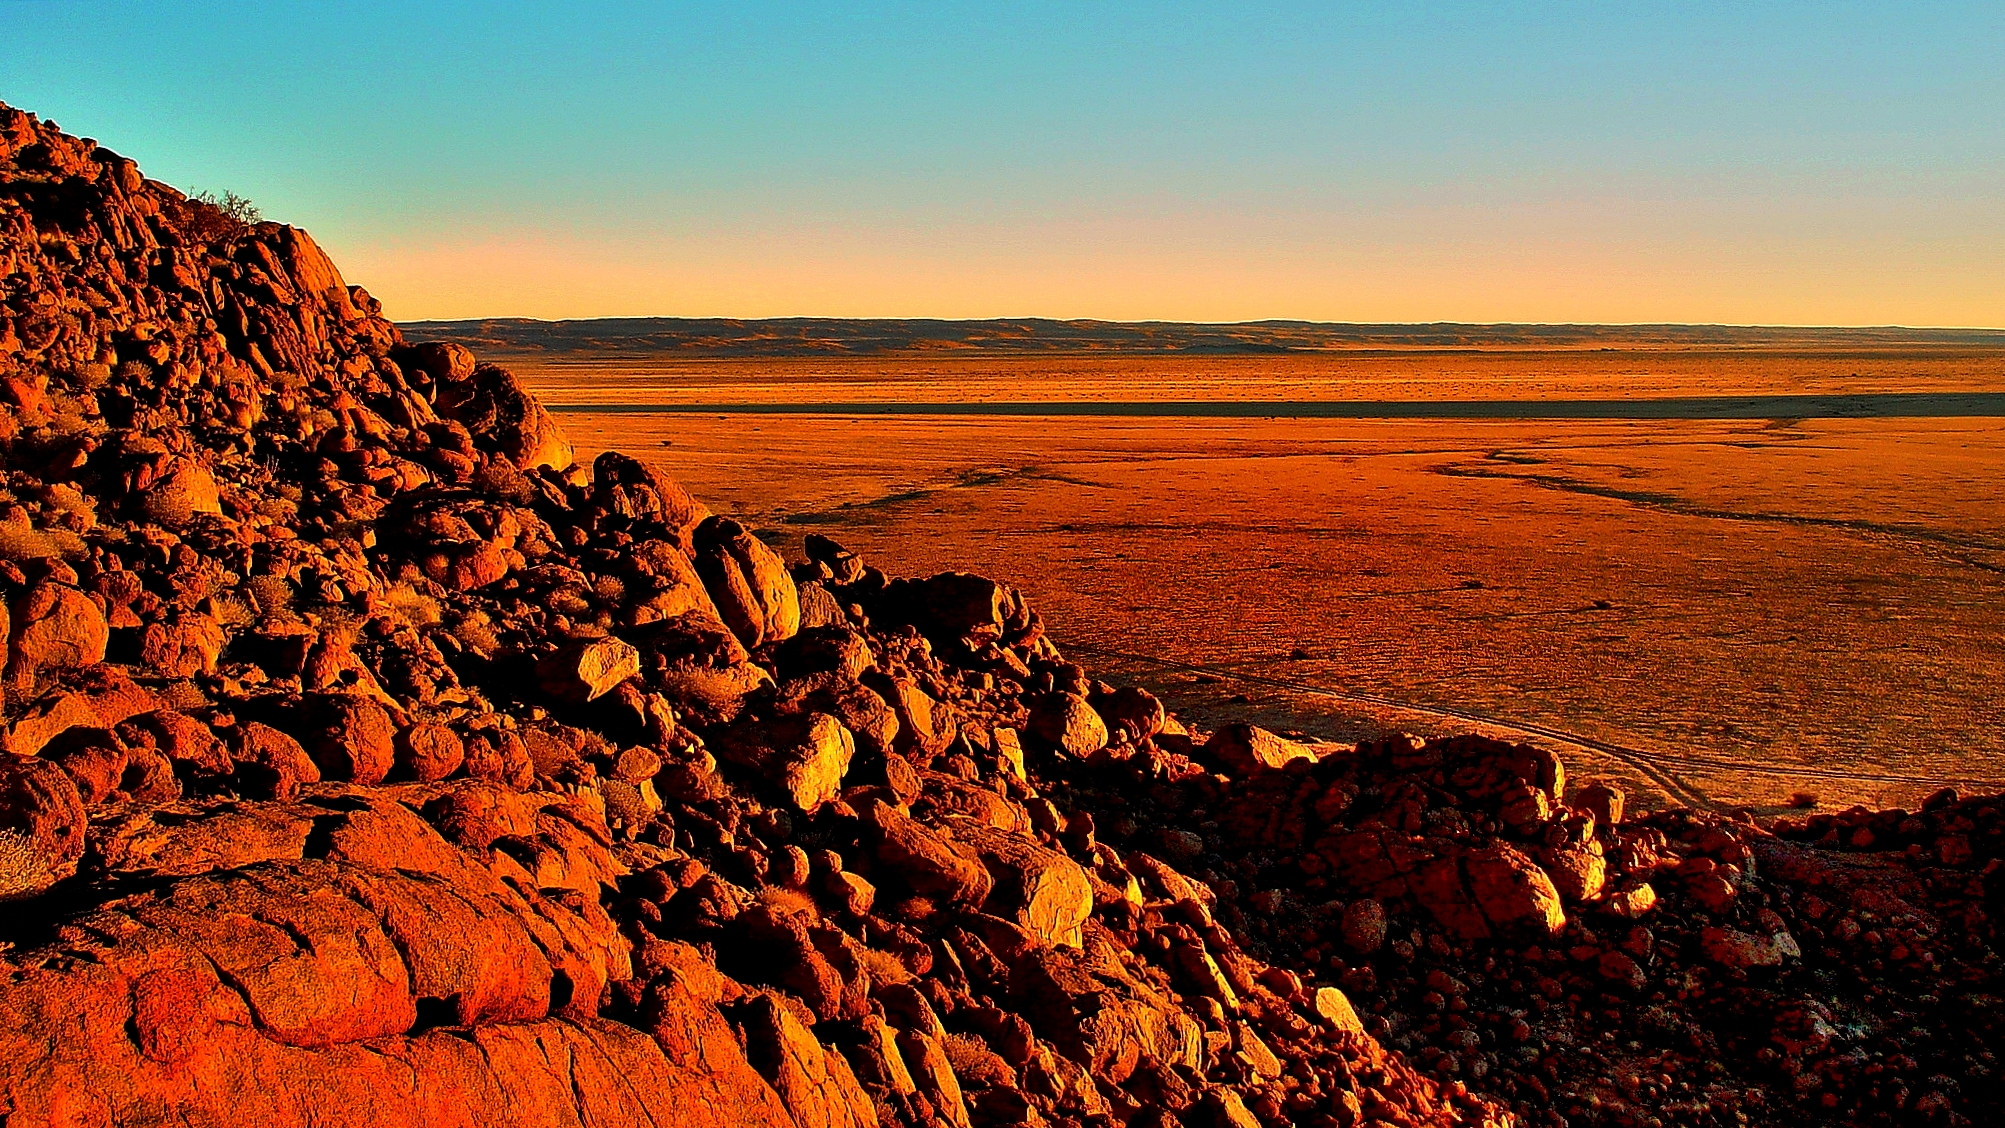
(1243, 750)
(587, 669)
(748, 581)
(180, 490)
(958, 612)
(268, 764)
(502, 416)
(348, 737)
(813, 1081)
(1578, 871)
(93, 758)
(429, 751)
(1336, 1011)
(934, 1075)
(805, 755)
(865, 713)
(1132, 715)
(99, 697)
(924, 859)
(1602, 800)
(698, 663)
(1364, 926)
(644, 500)
(925, 726)
(55, 626)
(1042, 890)
(1732, 948)
(187, 645)
(1066, 721)
(42, 826)
(1514, 894)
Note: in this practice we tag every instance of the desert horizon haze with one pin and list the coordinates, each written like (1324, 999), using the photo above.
(1789, 163)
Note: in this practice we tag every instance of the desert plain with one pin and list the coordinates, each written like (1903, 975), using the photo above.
(1719, 612)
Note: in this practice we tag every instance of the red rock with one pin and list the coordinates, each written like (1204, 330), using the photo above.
(42, 826)
(181, 490)
(267, 763)
(428, 751)
(1364, 926)
(925, 727)
(1066, 721)
(1515, 895)
(1730, 947)
(587, 669)
(935, 1077)
(55, 626)
(748, 582)
(187, 646)
(1578, 872)
(500, 413)
(1246, 749)
(349, 737)
(814, 1081)
(93, 759)
(1337, 1013)
(1042, 890)
(804, 756)
(924, 859)
(97, 698)
(1603, 800)
(182, 739)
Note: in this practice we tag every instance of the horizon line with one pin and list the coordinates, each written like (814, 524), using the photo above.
(1255, 322)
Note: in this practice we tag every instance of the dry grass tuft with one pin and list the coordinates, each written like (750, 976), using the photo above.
(24, 542)
(269, 594)
(788, 902)
(412, 607)
(883, 967)
(475, 631)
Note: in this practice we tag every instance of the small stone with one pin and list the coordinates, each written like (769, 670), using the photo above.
(1364, 926)
(1335, 1009)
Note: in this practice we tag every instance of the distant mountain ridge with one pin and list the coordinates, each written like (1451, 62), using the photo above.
(828, 336)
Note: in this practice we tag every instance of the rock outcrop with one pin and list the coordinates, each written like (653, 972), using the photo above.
(365, 760)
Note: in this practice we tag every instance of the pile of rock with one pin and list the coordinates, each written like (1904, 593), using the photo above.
(367, 761)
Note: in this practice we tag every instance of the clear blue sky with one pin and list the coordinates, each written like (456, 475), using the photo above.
(1799, 163)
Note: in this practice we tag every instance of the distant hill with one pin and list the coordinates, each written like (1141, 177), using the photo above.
(820, 336)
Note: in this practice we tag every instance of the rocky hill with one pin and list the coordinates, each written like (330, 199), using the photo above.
(369, 762)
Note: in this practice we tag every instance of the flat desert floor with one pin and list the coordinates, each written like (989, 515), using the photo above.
(1713, 612)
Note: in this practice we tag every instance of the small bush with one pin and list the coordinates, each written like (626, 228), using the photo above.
(205, 217)
(1803, 800)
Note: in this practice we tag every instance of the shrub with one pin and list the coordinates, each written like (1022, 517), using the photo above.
(205, 217)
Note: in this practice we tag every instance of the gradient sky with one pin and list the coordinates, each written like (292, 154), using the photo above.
(1747, 162)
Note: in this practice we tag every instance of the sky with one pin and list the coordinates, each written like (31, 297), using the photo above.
(1748, 162)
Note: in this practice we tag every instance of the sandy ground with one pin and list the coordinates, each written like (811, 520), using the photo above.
(1724, 613)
